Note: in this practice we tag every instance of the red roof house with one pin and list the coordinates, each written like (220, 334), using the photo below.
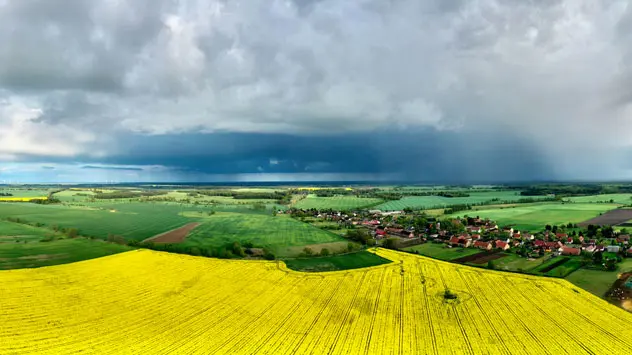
(502, 245)
(571, 251)
(482, 245)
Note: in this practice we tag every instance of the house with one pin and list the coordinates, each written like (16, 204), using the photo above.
(473, 229)
(491, 226)
(569, 240)
(508, 230)
(539, 243)
(589, 248)
(502, 245)
(613, 248)
(476, 236)
(624, 239)
(482, 245)
(553, 246)
(581, 238)
(434, 236)
(561, 235)
(380, 233)
(517, 235)
(571, 251)
(460, 241)
(629, 252)
(527, 236)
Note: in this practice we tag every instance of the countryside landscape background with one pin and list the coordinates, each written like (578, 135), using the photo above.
(315, 177)
(261, 257)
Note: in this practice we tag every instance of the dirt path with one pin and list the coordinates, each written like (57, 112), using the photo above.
(173, 236)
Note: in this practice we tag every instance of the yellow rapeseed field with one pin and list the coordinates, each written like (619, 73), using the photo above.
(147, 302)
(21, 199)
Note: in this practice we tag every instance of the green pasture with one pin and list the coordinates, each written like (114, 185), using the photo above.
(534, 217)
(340, 203)
(428, 202)
(281, 234)
(130, 220)
(441, 251)
(625, 199)
(337, 262)
(598, 282)
(11, 231)
(39, 253)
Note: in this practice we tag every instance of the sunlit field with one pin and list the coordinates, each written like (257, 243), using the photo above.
(148, 302)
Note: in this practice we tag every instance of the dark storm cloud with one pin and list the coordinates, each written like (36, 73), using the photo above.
(448, 89)
(93, 167)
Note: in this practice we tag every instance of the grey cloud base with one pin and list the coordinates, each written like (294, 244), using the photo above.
(490, 89)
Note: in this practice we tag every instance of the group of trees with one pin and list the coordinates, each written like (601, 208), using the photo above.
(6, 194)
(282, 197)
(573, 189)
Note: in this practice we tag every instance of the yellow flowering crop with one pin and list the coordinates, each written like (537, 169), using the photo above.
(147, 302)
(21, 199)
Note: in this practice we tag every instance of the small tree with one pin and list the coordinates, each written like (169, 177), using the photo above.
(324, 252)
(350, 247)
(491, 265)
(308, 251)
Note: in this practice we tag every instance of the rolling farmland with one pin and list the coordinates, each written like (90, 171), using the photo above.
(534, 217)
(421, 202)
(199, 305)
(337, 202)
(279, 233)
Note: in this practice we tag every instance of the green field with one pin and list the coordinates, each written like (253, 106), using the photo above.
(535, 216)
(130, 220)
(441, 252)
(13, 231)
(37, 253)
(423, 202)
(281, 234)
(340, 203)
(598, 282)
(337, 262)
(514, 262)
(605, 198)
(21, 192)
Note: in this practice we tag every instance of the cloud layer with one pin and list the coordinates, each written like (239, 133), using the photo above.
(544, 82)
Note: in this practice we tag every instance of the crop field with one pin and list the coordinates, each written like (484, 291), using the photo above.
(336, 202)
(10, 230)
(280, 233)
(212, 306)
(534, 217)
(35, 253)
(421, 202)
(605, 198)
(130, 220)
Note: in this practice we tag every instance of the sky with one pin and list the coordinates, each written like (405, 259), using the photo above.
(267, 90)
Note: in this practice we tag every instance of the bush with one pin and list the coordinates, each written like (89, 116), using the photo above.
(116, 239)
(308, 251)
(324, 252)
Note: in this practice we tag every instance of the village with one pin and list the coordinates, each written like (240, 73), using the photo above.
(406, 230)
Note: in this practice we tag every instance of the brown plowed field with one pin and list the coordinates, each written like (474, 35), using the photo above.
(173, 236)
(610, 218)
(481, 257)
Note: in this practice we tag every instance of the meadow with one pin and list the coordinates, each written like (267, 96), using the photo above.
(441, 252)
(24, 192)
(281, 234)
(426, 202)
(181, 304)
(598, 282)
(534, 217)
(340, 203)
